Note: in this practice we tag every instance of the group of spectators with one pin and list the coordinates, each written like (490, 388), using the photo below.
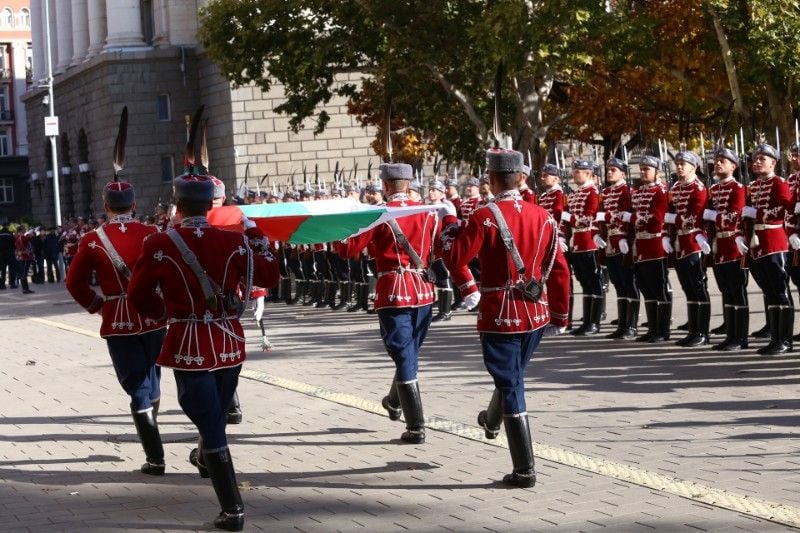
(38, 255)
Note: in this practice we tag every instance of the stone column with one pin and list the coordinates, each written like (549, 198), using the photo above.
(63, 15)
(37, 40)
(80, 31)
(160, 23)
(96, 15)
(125, 27)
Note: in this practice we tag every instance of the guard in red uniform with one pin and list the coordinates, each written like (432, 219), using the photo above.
(133, 340)
(551, 199)
(579, 221)
(404, 293)
(526, 192)
(616, 200)
(648, 208)
(198, 270)
(23, 253)
(689, 199)
(451, 193)
(525, 288)
(727, 201)
(769, 201)
(792, 221)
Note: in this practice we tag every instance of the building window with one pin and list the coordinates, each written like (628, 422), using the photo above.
(164, 112)
(6, 191)
(7, 17)
(167, 168)
(25, 18)
(4, 143)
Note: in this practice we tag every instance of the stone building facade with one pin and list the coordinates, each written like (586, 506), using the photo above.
(147, 58)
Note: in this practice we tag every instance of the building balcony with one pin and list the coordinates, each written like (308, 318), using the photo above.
(6, 115)
(6, 75)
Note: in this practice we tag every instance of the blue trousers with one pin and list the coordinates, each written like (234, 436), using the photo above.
(403, 330)
(506, 356)
(205, 396)
(134, 359)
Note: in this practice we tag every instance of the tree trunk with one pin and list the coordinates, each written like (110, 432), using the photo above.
(730, 67)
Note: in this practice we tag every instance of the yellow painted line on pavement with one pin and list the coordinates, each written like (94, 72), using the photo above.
(740, 503)
(66, 327)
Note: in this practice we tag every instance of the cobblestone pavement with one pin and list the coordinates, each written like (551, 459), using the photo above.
(320, 460)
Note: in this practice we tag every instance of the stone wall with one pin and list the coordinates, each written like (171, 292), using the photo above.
(243, 128)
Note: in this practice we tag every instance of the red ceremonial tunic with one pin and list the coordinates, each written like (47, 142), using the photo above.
(199, 337)
(616, 201)
(71, 240)
(119, 316)
(689, 200)
(727, 198)
(552, 201)
(583, 205)
(400, 284)
(468, 206)
(770, 197)
(648, 205)
(790, 219)
(528, 195)
(456, 201)
(503, 308)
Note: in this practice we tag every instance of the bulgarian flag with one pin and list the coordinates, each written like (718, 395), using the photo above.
(311, 222)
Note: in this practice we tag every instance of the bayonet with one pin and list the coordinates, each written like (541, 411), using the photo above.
(387, 130)
(498, 85)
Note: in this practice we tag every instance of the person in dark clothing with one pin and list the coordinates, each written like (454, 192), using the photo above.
(8, 265)
(51, 248)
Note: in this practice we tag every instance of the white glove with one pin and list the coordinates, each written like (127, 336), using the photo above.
(797, 208)
(710, 215)
(565, 216)
(667, 245)
(562, 242)
(600, 216)
(247, 223)
(700, 239)
(472, 299)
(794, 241)
(598, 241)
(741, 245)
(749, 212)
(623, 246)
(669, 218)
(626, 217)
(446, 208)
(551, 330)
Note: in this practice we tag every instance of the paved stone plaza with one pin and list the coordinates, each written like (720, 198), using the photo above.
(628, 437)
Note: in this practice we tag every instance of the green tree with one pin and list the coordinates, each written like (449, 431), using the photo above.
(434, 59)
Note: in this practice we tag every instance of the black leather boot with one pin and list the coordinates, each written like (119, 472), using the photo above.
(787, 325)
(310, 292)
(391, 402)
(147, 429)
(196, 458)
(492, 418)
(355, 305)
(775, 346)
(663, 317)
(630, 328)
(698, 333)
(622, 319)
(730, 330)
(444, 304)
(156, 405)
(287, 291)
(223, 478)
(691, 312)
(345, 291)
(321, 295)
(458, 300)
(570, 311)
(411, 403)
(650, 309)
(234, 414)
(586, 319)
(518, 434)
(764, 332)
